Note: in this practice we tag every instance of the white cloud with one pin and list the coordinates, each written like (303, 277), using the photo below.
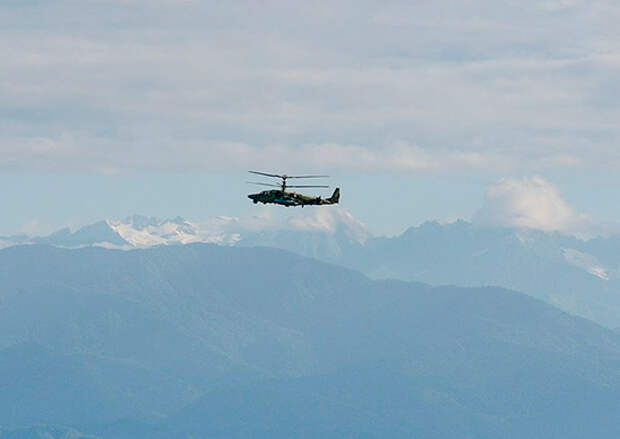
(104, 156)
(328, 220)
(373, 85)
(532, 203)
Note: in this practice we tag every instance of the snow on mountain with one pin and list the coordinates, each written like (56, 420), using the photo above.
(586, 262)
(140, 231)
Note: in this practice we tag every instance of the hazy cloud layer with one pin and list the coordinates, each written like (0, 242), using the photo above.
(115, 85)
(269, 218)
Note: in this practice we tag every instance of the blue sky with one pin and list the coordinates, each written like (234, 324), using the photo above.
(417, 109)
(46, 202)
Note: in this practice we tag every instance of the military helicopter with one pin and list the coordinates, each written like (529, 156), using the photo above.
(282, 197)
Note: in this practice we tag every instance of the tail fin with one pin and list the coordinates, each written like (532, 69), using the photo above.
(335, 198)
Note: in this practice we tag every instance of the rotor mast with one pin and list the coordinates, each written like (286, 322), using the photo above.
(283, 185)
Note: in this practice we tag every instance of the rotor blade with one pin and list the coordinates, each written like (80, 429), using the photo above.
(266, 174)
(307, 176)
(263, 184)
(306, 185)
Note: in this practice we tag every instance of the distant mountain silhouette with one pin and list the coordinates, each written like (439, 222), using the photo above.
(136, 231)
(321, 233)
(581, 277)
(208, 341)
(578, 276)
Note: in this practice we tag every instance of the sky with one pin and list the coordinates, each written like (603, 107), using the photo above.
(501, 112)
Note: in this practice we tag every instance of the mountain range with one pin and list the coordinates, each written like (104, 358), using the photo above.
(134, 232)
(202, 340)
(579, 276)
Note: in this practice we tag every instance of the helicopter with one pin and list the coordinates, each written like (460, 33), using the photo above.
(284, 198)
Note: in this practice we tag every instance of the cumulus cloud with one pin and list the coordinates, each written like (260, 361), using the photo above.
(331, 221)
(532, 203)
(400, 86)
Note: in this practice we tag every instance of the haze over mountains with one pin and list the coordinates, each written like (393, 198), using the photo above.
(579, 276)
(207, 341)
(277, 323)
(153, 328)
(140, 231)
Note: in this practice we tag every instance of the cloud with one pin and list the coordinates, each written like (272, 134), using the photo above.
(532, 203)
(79, 153)
(396, 86)
(329, 220)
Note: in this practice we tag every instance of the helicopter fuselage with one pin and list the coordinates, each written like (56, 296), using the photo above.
(285, 198)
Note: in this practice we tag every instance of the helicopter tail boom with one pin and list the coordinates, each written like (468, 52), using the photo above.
(335, 198)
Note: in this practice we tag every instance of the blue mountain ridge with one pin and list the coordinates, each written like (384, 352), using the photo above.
(209, 341)
(579, 276)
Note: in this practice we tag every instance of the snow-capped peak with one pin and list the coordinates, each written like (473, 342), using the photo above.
(140, 231)
(586, 262)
